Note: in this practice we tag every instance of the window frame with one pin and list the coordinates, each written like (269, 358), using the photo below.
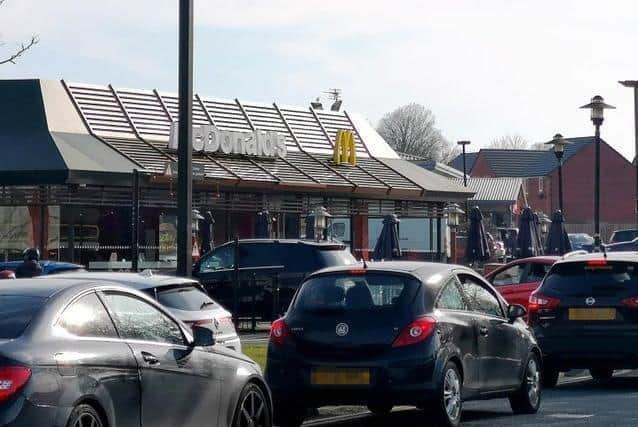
(479, 282)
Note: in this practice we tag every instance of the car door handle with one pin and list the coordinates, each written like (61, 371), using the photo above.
(484, 331)
(149, 358)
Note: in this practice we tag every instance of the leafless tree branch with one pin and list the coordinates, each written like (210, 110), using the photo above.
(510, 142)
(21, 49)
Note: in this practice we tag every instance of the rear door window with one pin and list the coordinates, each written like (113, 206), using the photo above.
(451, 297)
(481, 299)
(16, 312)
(87, 317)
(348, 292)
(187, 298)
(253, 255)
(509, 276)
(595, 277)
(536, 272)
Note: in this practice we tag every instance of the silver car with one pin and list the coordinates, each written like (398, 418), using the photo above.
(185, 298)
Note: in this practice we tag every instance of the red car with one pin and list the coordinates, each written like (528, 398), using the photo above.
(518, 279)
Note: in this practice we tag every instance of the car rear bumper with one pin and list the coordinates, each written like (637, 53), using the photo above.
(20, 412)
(400, 382)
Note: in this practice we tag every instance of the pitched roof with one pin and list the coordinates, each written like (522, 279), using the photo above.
(470, 158)
(494, 189)
(439, 168)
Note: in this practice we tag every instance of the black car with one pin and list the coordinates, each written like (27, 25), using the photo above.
(80, 353)
(268, 271)
(585, 315)
(626, 235)
(400, 333)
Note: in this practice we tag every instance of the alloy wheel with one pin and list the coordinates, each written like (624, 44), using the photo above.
(253, 411)
(452, 394)
(87, 420)
(532, 381)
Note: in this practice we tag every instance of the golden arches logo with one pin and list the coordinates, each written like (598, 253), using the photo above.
(345, 150)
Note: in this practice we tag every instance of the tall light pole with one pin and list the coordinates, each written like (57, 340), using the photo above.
(634, 84)
(597, 107)
(558, 143)
(463, 144)
(184, 149)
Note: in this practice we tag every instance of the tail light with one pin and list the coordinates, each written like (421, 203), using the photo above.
(416, 332)
(541, 302)
(631, 302)
(202, 322)
(12, 379)
(278, 331)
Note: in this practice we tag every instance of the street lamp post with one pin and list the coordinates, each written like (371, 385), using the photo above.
(558, 143)
(634, 84)
(453, 214)
(597, 107)
(463, 144)
(321, 221)
(184, 149)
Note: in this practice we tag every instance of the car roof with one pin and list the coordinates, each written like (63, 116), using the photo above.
(609, 256)
(43, 287)
(423, 270)
(326, 243)
(139, 281)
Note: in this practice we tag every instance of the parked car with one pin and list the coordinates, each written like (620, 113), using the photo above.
(185, 298)
(400, 333)
(626, 235)
(517, 280)
(630, 246)
(581, 241)
(48, 267)
(77, 352)
(269, 272)
(585, 315)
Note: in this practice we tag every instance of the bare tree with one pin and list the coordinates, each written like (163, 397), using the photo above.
(21, 49)
(510, 142)
(411, 129)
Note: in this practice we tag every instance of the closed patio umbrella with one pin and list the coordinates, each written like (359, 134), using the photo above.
(207, 232)
(388, 246)
(262, 225)
(557, 240)
(477, 248)
(527, 244)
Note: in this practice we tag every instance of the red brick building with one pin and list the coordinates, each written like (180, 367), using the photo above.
(540, 171)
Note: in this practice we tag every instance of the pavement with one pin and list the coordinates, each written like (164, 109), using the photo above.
(577, 401)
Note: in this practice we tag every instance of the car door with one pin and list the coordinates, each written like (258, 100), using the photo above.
(178, 382)
(499, 352)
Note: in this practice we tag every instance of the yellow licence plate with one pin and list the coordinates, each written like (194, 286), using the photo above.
(592, 314)
(332, 376)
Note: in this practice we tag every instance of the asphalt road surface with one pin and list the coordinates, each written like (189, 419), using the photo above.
(575, 402)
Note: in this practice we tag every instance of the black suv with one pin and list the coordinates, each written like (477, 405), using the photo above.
(268, 272)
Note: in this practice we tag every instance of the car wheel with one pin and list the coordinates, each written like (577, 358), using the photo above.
(447, 407)
(549, 377)
(84, 416)
(527, 399)
(289, 415)
(601, 374)
(380, 408)
(252, 409)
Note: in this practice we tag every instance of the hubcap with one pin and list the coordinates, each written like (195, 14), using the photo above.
(252, 411)
(532, 381)
(452, 394)
(87, 420)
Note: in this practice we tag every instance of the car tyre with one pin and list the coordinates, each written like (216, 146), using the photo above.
(289, 415)
(447, 407)
(252, 408)
(380, 409)
(549, 377)
(85, 415)
(527, 400)
(601, 374)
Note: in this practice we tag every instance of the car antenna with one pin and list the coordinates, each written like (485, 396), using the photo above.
(365, 264)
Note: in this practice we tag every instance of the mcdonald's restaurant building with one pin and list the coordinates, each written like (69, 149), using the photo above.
(69, 151)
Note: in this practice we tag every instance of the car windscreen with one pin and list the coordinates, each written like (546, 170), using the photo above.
(16, 312)
(596, 277)
(624, 236)
(187, 298)
(349, 292)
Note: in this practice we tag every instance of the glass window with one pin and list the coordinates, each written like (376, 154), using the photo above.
(87, 317)
(16, 313)
(188, 298)
(451, 298)
(509, 276)
(137, 320)
(259, 255)
(219, 259)
(480, 298)
(537, 272)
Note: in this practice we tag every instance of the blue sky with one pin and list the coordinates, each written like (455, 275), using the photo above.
(485, 68)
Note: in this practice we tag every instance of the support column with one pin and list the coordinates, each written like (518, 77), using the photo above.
(360, 236)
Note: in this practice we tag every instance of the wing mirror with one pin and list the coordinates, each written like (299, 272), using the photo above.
(515, 311)
(202, 337)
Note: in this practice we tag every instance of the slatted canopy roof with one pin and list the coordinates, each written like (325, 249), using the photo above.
(134, 126)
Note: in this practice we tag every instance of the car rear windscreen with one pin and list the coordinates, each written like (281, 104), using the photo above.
(16, 312)
(343, 292)
(594, 278)
(624, 236)
(336, 256)
(187, 298)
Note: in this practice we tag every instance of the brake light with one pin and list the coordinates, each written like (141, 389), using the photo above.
(541, 302)
(416, 332)
(12, 379)
(358, 272)
(631, 302)
(278, 331)
(597, 262)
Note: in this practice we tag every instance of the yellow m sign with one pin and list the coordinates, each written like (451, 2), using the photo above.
(345, 150)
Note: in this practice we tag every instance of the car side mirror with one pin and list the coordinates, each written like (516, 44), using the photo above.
(202, 337)
(515, 311)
